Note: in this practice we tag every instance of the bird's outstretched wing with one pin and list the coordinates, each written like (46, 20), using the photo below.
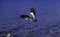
(33, 10)
(24, 16)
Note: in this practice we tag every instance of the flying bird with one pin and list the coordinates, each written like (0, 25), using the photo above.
(31, 17)
(9, 35)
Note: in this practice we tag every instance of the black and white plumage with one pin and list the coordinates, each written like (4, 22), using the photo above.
(31, 17)
(32, 10)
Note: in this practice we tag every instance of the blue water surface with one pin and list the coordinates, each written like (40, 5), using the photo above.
(47, 14)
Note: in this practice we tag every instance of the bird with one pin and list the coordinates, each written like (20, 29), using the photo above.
(9, 35)
(31, 17)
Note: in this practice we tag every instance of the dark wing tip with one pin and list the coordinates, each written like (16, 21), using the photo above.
(33, 10)
(24, 16)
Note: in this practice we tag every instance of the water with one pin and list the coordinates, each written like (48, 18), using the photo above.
(48, 15)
